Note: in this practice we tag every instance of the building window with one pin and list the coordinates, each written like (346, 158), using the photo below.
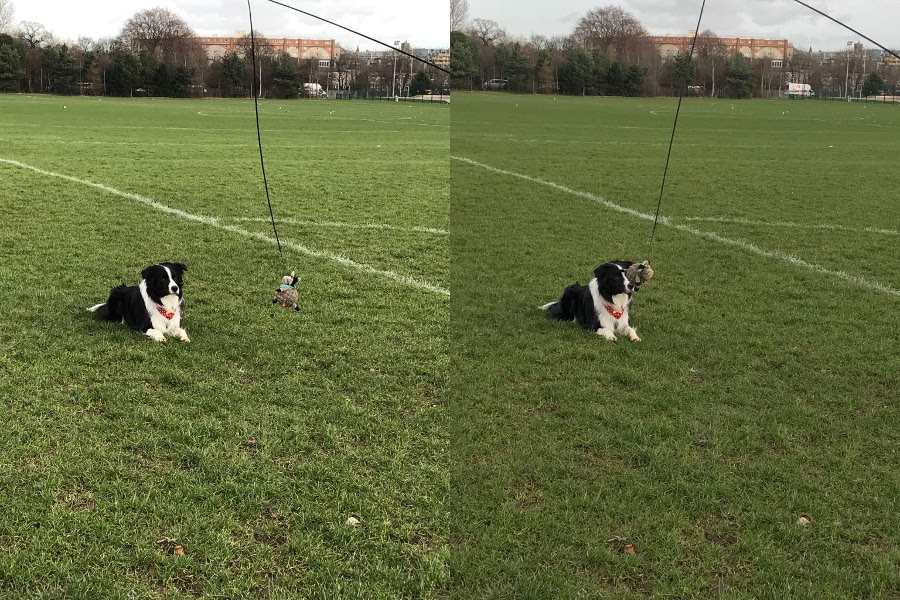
(324, 64)
(776, 64)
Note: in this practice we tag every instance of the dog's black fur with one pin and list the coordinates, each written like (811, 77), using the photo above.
(577, 303)
(126, 304)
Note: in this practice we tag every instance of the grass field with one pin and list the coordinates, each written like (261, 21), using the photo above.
(766, 384)
(251, 446)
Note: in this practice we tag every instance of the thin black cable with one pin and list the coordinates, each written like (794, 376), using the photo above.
(308, 14)
(845, 26)
(262, 162)
(672, 139)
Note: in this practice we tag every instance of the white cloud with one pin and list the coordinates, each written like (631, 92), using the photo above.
(424, 23)
(760, 18)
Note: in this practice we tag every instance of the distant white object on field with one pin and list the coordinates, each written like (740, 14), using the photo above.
(314, 90)
(799, 90)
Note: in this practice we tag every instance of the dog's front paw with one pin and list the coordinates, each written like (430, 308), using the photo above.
(156, 335)
(182, 335)
(634, 337)
(606, 334)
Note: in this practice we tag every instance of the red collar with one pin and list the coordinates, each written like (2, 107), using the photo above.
(615, 313)
(168, 315)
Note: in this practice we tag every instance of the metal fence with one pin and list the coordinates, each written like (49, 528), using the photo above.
(384, 95)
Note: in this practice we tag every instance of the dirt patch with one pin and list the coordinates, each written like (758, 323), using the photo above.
(526, 495)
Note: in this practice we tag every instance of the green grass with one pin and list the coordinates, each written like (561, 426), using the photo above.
(252, 445)
(763, 390)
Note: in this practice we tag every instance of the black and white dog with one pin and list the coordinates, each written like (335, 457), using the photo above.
(152, 307)
(602, 305)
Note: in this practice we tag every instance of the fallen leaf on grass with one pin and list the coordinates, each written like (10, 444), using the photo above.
(351, 520)
(178, 550)
(803, 521)
(629, 549)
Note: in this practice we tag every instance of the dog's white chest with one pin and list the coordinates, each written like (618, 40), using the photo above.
(161, 323)
(164, 323)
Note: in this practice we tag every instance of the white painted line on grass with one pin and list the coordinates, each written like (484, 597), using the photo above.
(707, 235)
(743, 221)
(212, 222)
(340, 224)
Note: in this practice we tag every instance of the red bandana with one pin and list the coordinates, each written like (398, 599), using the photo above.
(168, 315)
(616, 313)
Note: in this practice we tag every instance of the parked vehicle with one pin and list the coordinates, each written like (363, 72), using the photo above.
(313, 90)
(495, 84)
(799, 90)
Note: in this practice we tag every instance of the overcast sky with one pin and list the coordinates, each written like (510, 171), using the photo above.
(878, 19)
(425, 23)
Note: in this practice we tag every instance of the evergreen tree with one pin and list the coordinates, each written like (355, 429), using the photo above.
(12, 64)
(149, 73)
(62, 70)
(286, 73)
(738, 77)
(180, 83)
(420, 84)
(873, 85)
(233, 67)
(516, 69)
(162, 81)
(683, 70)
(124, 75)
(600, 65)
(576, 74)
(634, 80)
(462, 60)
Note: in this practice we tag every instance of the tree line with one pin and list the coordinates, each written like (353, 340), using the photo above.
(609, 52)
(156, 54)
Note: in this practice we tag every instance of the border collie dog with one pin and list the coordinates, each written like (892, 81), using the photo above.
(602, 305)
(152, 307)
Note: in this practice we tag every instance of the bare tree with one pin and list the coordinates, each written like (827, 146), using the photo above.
(6, 16)
(712, 53)
(459, 14)
(35, 37)
(157, 30)
(487, 31)
(489, 35)
(611, 29)
(34, 34)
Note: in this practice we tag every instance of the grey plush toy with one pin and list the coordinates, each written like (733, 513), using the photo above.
(639, 273)
(286, 294)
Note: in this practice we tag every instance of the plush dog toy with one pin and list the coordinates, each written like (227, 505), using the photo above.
(286, 294)
(638, 274)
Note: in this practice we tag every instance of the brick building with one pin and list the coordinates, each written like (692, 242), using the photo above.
(325, 50)
(670, 45)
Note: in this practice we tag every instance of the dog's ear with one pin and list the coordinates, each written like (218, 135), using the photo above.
(146, 272)
(178, 267)
(609, 277)
(604, 271)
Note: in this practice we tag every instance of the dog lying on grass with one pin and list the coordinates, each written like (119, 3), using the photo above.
(152, 307)
(602, 306)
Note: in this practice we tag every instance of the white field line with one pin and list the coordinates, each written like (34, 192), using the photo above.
(707, 235)
(212, 222)
(343, 225)
(743, 221)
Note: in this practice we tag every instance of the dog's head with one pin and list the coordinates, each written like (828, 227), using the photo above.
(164, 279)
(611, 279)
